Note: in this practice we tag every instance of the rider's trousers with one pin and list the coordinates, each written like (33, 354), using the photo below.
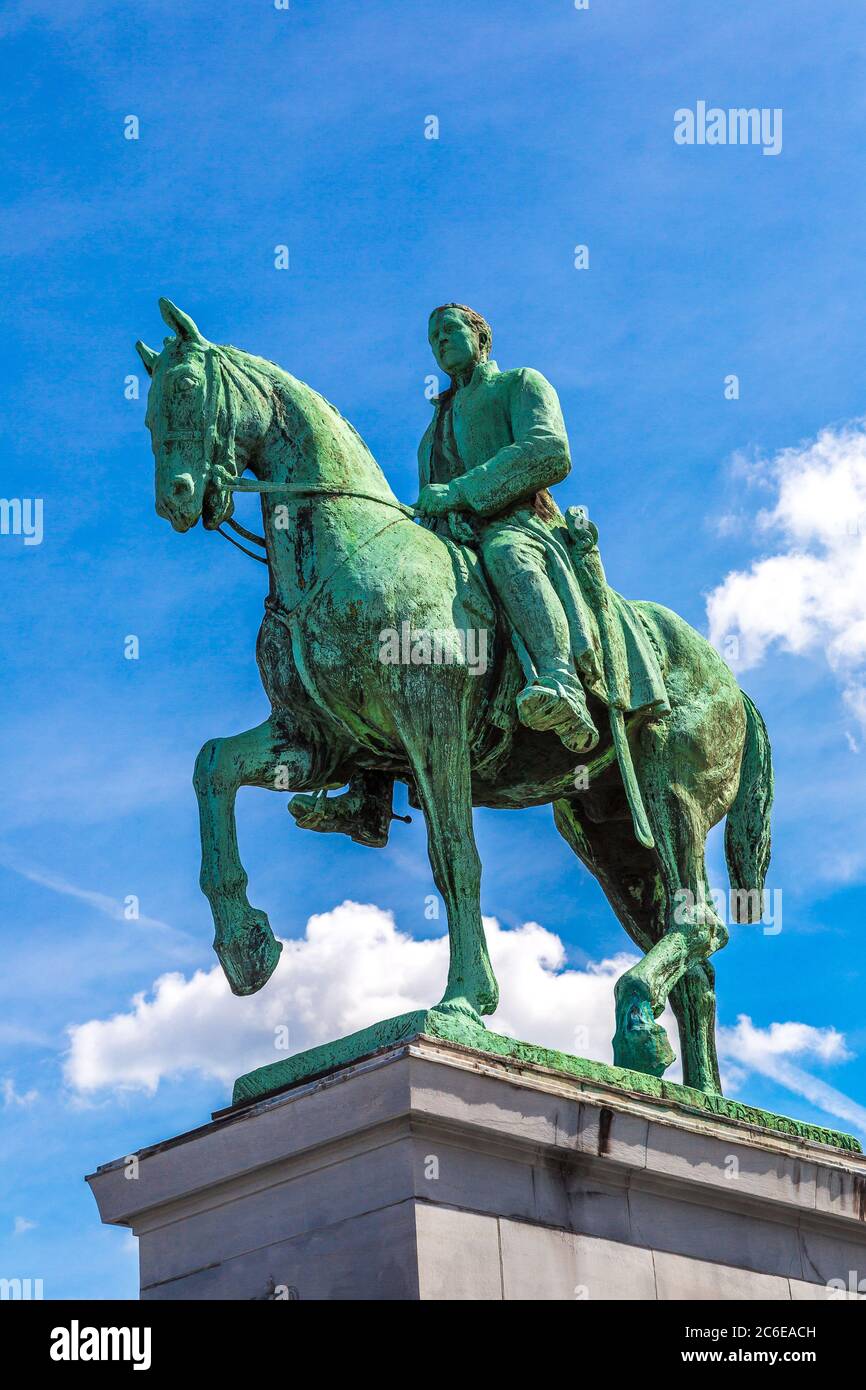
(516, 562)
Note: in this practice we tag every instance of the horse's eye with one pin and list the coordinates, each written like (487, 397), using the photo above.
(186, 381)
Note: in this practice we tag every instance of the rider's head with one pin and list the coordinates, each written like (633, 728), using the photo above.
(459, 338)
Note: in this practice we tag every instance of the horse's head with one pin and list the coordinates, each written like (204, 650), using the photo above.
(213, 411)
(189, 426)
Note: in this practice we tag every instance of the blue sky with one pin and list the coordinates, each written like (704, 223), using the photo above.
(305, 127)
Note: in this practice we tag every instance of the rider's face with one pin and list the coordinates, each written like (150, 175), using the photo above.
(454, 344)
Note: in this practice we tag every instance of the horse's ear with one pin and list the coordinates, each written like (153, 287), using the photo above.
(179, 322)
(148, 356)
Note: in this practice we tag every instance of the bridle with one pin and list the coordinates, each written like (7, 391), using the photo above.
(208, 435)
(225, 475)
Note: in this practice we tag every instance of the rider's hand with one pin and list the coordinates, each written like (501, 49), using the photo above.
(436, 499)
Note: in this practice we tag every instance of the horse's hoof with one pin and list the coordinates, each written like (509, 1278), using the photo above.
(482, 999)
(474, 1003)
(248, 952)
(459, 1009)
(488, 998)
(641, 1044)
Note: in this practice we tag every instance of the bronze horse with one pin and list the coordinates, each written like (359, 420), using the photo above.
(346, 563)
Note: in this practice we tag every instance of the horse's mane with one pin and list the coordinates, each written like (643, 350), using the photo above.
(292, 395)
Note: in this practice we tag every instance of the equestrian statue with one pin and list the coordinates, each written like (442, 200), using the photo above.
(617, 713)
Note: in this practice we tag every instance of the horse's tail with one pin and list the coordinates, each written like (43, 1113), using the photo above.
(747, 832)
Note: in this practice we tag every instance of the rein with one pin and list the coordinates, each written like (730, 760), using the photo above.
(297, 490)
(259, 540)
(291, 490)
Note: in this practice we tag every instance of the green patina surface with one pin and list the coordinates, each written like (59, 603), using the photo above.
(617, 714)
(450, 1027)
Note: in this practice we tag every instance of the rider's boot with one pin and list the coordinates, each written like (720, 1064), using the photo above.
(555, 702)
(554, 699)
(363, 812)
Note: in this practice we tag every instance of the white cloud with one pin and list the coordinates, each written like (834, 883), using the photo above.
(768, 1051)
(352, 967)
(22, 1225)
(101, 902)
(12, 1096)
(757, 1047)
(810, 595)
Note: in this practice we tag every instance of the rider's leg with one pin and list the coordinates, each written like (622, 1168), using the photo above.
(363, 811)
(515, 563)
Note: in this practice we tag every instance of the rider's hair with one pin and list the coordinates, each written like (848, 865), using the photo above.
(479, 325)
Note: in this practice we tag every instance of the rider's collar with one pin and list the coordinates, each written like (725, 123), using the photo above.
(483, 369)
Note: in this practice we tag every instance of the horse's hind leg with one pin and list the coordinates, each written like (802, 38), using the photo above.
(693, 931)
(261, 757)
(629, 875)
(693, 1001)
(633, 885)
(625, 870)
(439, 756)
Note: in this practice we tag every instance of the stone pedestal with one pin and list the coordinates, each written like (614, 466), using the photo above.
(432, 1170)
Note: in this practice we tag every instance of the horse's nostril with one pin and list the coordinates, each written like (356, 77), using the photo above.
(183, 485)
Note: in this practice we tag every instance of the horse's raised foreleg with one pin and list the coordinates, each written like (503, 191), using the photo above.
(439, 756)
(262, 757)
